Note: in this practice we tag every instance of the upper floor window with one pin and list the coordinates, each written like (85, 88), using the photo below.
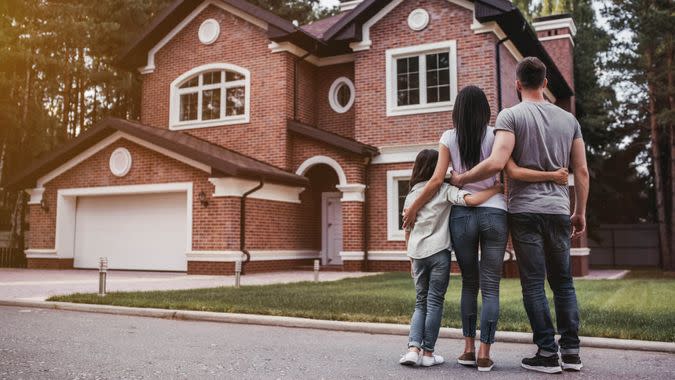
(421, 78)
(210, 95)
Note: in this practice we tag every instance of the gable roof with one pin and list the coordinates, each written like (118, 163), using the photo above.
(331, 36)
(223, 162)
(332, 139)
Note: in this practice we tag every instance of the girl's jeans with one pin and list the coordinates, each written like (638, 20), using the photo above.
(469, 227)
(432, 275)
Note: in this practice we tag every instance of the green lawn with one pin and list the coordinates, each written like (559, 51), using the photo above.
(631, 309)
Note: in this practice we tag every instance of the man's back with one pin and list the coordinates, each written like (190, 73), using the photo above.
(543, 141)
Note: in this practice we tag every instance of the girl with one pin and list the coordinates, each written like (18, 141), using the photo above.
(428, 248)
(485, 225)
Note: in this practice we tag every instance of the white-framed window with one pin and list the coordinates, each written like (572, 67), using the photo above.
(210, 95)
(341, 95)
(421, 78)
(398, 183)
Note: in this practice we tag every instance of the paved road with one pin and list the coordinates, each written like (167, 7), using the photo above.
(35, 284)
(50, 344)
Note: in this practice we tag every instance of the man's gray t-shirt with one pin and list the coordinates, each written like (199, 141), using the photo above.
(544, 133)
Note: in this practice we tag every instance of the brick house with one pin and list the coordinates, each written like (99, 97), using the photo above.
(275, 144)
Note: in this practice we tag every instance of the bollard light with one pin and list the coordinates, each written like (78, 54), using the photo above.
(102, 274)
(237, 273)
(316, 270)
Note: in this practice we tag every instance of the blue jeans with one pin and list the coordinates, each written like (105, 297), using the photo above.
(432, 275)
(542, 244)
(469, 228)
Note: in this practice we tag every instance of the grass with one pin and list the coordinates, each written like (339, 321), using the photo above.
(629, 309)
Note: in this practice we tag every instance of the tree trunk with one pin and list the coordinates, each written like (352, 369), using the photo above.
(656, 162)
(671, 132)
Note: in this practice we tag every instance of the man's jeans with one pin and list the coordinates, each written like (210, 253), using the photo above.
(469, 228)
(542, 245)
(432, 275)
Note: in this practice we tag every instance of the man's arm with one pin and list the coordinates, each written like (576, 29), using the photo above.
(581, 186)
(501, 152)
(518, 173)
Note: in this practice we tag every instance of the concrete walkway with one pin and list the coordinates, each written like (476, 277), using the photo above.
(52, 344)
(38, 285)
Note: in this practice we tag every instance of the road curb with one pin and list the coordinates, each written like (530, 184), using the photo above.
(318, 324)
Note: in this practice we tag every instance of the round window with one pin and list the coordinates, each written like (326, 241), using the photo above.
(120, 162)
(341, 95)
(209, 31)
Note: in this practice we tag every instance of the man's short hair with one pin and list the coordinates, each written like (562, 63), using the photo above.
(531, 73)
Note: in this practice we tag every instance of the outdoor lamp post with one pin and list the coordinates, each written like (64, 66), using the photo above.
(102, 272)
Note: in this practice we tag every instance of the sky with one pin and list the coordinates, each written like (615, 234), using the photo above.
(329, 3)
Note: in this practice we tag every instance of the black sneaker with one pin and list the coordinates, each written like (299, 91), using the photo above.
(545, 364)
(571, 362)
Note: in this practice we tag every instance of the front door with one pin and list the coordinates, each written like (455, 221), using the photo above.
(331, 234)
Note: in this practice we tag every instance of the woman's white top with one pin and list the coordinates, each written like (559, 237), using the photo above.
(449, 139)
(431, 232)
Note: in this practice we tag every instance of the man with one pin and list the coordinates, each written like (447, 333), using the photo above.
(539, 135)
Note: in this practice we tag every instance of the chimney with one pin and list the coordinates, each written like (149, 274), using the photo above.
(556, 33)
(348, 5)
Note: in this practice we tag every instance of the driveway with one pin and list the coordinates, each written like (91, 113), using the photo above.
(35, 284)
(52, 344)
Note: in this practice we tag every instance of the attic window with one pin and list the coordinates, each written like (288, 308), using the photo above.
(210, 95)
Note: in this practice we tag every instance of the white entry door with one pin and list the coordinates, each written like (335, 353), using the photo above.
(137, 231)
(331, 212)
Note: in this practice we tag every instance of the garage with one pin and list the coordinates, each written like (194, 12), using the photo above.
(134, 231)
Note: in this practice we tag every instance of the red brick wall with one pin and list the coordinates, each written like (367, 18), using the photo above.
(242, 44)
(377, 208)
(475, 60)
(301, 149)
(561, 51)
(327, 118)
(508, 78)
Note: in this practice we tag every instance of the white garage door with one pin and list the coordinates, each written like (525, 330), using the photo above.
(139, 231)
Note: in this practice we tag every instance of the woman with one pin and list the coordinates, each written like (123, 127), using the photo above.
(484, 226)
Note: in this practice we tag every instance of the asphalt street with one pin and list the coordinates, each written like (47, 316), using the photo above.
(50, 344)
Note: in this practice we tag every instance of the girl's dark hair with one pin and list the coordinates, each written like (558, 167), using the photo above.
(425, 164)
(470, 116)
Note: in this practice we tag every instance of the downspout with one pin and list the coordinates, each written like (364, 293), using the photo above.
(498, 58)
(242, 224)
(366, 230)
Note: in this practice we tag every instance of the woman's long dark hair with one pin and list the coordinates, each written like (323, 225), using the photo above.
(470, 116)
(425, 164)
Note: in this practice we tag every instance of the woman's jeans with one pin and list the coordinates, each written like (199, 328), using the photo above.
(469, 228)
(432, 275)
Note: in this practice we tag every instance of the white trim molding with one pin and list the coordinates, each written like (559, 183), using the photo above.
(558, 37)
(278, 254)
(120, 162)
(353, 192)
(35, 195)
(580, 252)
(392, 55)
(316, 160)
(209, 31)
(41, 253)
(236, 187)
(106, 142)
(220, 256)
(393, 176)
(400, 153)
(333, 94)
(150, 63)
(349, 5)
(278, 47)
(560, 23)
(66, 207)
(352, 255)
(388, 256)
(175, 92)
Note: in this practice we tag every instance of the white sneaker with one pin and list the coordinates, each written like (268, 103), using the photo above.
(410, 358)
(428, 361)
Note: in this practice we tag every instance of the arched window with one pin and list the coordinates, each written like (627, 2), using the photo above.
(210, 95)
